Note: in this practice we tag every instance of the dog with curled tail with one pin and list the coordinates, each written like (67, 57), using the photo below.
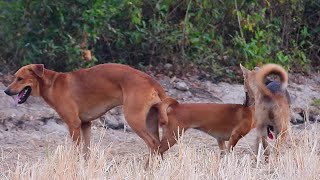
(272, 103)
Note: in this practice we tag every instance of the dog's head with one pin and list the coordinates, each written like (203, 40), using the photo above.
(26, 82)
(250, 85)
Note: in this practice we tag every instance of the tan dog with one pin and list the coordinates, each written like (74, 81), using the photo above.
(271, 99)
(84, 95)
(222, 121)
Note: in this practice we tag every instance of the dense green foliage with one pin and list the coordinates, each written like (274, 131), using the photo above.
(212, 34)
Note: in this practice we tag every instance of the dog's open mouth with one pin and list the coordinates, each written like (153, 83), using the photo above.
(23, 95)
(270, 131)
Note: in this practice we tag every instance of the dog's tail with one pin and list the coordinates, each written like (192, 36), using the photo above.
(271, 69)
(163, 109)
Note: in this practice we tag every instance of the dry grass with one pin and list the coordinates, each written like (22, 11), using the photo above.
(299, 160)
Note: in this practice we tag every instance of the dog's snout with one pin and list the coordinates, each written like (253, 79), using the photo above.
(8, 92)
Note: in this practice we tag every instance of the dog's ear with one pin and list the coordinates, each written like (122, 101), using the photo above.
(244, 71)
(37, 69)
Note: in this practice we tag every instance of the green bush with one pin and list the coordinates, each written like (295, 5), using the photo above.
(211, 34)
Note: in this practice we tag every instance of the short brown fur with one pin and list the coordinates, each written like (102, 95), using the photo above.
(272, 108)
(84, 95)
(225, 122)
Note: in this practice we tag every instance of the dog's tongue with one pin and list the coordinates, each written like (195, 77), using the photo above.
(17, 98)
(270, 135)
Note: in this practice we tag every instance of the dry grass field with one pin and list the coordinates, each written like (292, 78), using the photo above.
(299, 159)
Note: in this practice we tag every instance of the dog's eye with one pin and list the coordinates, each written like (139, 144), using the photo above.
(19, 78)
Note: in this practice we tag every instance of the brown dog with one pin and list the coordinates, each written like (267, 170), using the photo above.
(84, 95)
(271, 99)
(222, 121)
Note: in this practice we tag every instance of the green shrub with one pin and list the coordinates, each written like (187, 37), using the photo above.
(210, 34)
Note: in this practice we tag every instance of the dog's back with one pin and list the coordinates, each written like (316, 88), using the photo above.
(203, 114)
(211, 114)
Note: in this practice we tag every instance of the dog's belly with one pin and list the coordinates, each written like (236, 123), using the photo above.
(94, 112)
(216, 133)
(220, 135)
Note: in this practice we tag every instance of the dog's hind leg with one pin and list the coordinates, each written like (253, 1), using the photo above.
(142, 117)
(263, 138)
(279, 143)
(142, 131)
(152, 122)
(136, 116)
(233, 140)
(86, 134)
(266, 148)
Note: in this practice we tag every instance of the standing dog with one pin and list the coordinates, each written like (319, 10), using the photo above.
(84, 95)
(222, 121)
(271, 99)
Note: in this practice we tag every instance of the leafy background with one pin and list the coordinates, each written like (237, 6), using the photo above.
(211, 35)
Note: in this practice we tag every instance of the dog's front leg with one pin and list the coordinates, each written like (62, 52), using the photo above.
(70, 114)
(78, 129)
(170, 136)
(75, 132)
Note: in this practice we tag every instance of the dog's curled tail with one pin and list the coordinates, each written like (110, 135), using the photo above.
(163, 109)
(269, 69)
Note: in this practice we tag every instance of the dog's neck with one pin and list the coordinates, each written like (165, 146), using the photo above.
(47, 81)
(248, 101)
(253, 122)
(49, 77)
